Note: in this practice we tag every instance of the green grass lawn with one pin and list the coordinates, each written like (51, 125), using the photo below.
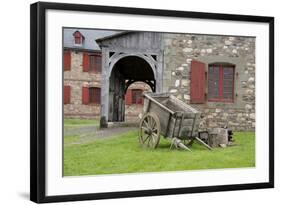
(123, 154)
(80, 122)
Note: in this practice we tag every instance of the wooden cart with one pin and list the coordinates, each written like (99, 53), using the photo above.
(164, 114)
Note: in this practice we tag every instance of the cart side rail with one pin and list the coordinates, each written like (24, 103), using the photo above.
(158, 103)
(173, 99)
(182, 104)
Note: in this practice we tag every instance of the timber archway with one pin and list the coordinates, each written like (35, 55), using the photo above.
(128, 57)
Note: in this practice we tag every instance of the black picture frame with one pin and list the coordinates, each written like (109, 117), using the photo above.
(38, 101)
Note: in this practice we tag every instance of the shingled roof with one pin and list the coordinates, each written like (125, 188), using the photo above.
(121, 33)
(90, 36)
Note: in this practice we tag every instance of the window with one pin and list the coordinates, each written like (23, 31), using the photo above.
(66, 60)
(134, 96)
(66, 94)
(78, 38)
(91, 95)
(92, 62)
(94, 95)
(137, 96)
(95, 63)
(221, 83)
(218, 81)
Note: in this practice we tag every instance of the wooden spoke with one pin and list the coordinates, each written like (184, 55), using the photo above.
(146, 123)
(149, 121)
(149, 133)
(154, 136)
(147, 137)
(153, 125)
(145, 128)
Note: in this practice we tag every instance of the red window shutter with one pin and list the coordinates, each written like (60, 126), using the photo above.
(197, 84)
(85, 62)
(85, 95)
(66, 60)
(66, 94)
(128, 97)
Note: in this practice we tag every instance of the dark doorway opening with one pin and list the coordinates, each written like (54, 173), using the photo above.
(125, 72)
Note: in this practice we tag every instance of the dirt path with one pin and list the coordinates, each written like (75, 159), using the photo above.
(89, 133)
(108, 132)
(78, 130)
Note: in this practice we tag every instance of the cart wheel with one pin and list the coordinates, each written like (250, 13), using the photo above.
(149, 133)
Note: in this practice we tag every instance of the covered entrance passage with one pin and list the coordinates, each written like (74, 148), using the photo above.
(128, 57)
(125, 72)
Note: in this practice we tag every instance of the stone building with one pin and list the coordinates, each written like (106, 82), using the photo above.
(82, 76)
(215, 74)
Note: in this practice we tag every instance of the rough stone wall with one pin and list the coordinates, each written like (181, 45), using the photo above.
(132, 112)
(76, 78)
(181, 49)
